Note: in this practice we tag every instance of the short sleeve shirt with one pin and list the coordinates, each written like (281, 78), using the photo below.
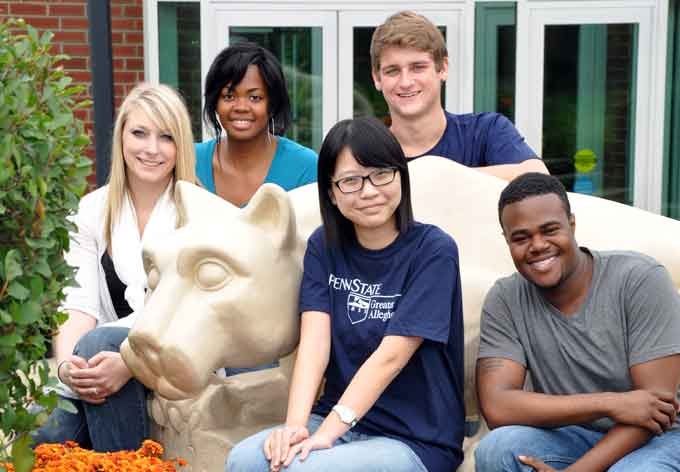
(631, 315)
(410, 288)
(480, 140)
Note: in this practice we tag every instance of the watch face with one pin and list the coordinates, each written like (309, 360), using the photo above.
(346, 414)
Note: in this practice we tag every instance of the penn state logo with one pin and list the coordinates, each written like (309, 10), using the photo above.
(357, 307)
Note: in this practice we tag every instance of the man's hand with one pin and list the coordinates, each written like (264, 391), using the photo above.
(537, 464)
(654, 411)
(278, 443)
(105, 374)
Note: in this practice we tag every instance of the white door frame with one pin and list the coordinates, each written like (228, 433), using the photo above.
(458, 18)
(533, 16)
(218, 17)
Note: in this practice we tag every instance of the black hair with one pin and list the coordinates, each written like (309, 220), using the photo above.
(532, 184)
(230, 66)
(372, 145)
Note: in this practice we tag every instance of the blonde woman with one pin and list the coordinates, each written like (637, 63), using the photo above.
(152, 148)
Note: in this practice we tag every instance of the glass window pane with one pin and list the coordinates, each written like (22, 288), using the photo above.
(367, 100)
(588, 108)
(300, 51)
(495, 42)
(672, 132)
(179, 40)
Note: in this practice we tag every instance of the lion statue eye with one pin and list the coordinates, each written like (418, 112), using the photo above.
(211, 275)
(153, 276)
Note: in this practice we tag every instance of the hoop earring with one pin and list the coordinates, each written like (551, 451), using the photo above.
(270, 129)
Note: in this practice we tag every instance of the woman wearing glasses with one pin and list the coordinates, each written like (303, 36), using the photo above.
(381, 320)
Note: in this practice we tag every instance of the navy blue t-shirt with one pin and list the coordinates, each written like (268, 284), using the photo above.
(409, 288)
(480, 140)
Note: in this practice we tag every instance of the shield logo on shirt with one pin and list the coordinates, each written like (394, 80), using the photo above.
(357, 307)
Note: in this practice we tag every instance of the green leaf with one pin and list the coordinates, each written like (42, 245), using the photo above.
(43, 268)
(13, 265)
(10, 340)
(23, 454)
(5, 318)
(29, 313)
(42, 186)
(18, 291)
(37, 287)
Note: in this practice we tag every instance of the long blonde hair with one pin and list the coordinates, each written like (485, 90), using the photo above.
(166, 109)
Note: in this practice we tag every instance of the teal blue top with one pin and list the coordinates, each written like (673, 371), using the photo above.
(293, 165)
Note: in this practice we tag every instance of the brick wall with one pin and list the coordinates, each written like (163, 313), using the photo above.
(67, 19)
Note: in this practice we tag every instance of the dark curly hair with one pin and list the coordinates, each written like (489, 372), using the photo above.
(532, 184)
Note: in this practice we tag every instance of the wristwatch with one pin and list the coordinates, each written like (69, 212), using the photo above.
(346, 415)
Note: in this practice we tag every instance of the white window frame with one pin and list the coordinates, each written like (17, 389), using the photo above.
(217, 17)
(151, 52)
(533, 16)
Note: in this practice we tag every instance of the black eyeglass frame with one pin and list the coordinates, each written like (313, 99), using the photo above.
(364, 178)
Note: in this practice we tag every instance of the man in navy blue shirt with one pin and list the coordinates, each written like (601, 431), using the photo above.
(409, 62)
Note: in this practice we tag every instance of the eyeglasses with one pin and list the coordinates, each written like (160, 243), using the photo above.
(378, 178)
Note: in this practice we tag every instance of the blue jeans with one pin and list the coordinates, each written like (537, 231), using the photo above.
(353, 452)
(121, 422)
(560, 447)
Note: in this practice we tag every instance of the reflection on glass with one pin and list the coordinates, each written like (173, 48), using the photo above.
(366, 99)
(495, 42)
(588, 108)
(672, 131)
(505, 95)
(179, 41)
(300, 51)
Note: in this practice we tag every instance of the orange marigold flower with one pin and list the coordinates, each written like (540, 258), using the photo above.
(70, 457)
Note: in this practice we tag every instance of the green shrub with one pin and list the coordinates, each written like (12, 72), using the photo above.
(42, 176)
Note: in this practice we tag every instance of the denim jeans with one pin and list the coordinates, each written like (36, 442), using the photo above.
(121, 422)
(229, 371)
(560, 447)
(353, 452)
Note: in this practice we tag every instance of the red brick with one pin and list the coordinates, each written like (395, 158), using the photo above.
(133, 11)
(79, 63)
(4, 9)
(70, 37)
(134, 37)
(76, 50)
(118, 63)
(116, 37)
(118, 90)
(68, 10)
(134, 64)
(74, 23)
(45, 23)
(32, 8)
(116, 11)
(125, 24)
(124, 77)
(81, 114)
(83, 77)
(124, 51)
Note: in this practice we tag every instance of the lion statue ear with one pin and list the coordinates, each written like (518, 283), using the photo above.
(195, 203)
(270, 210)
